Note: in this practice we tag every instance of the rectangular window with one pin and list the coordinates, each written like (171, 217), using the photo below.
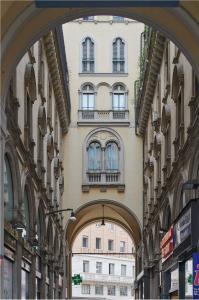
(111, 269)
(24, 284)
(99, 267)
(98, 243)
(99, 289)
(123, 291)
(88, 101)
(110, 226)
(133, 271)
(111, 290)
(110, 245)
(123, 270)
(85, 266)
(8, 279)
(118, 101)
(86, 289)
(85, 242)
(122, 246)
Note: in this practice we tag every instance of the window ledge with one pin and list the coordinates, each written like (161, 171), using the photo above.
(103, 187)
(95, 74)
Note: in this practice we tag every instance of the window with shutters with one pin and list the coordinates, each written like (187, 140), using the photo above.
(111, 290)
(98, 243)
(87, 97)
(88, 61)
(119, 97)
(99, 267)
(118, 56)
(123, 270)
(123, 291)
(103, 160)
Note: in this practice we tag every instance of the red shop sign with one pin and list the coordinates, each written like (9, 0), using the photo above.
(167, 243)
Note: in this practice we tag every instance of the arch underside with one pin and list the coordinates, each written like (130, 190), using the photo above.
(22, 21)
(113, 212)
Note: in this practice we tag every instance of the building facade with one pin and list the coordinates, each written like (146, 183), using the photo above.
(38, 115)
(167, 106)
(107, 263)
(102, 152)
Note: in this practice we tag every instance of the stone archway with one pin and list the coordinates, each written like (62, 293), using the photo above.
(93, 212)
(22, 20)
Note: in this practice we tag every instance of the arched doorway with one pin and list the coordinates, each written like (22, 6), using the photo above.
(95, 211)
(25, 22)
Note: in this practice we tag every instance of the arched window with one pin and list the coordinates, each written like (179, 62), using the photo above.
(103, 159)
(88, 98)
(8, 191)
(119, 101)
(88, 55)
(118, 55)
(94, 157)
(112, 157)
(26, 212)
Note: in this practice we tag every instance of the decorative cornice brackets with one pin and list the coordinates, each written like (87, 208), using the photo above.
(60, 90)
(150, 81)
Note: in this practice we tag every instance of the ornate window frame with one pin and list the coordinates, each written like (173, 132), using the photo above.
(119, 59)
(114, 86)
(81, 92)
(89, 59)
(103, 178)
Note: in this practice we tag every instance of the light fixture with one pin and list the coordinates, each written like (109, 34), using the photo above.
(19, 226)
(35, 243)
(103, 222)
(72, 215)
(162, 230)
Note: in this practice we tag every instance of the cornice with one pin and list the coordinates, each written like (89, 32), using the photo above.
(150, 80)
(60, 90)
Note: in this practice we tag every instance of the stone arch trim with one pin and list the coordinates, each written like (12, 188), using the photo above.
(10, 152)
(177, 81)
(177, 197)
(103, 135)
(120, 214)
(26, 181)
(30, 81)
(194, 164)
(166, 117)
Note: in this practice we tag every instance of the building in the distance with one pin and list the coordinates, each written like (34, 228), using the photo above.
(107, 263)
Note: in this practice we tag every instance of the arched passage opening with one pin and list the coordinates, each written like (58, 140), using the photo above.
(25, 22)
(95, 211)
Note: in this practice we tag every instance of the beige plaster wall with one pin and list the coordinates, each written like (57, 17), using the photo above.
(103, 35)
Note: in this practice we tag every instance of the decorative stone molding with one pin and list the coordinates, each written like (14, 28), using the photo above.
(150, 79)
(50, 147)
(42, 123)
(59, 86)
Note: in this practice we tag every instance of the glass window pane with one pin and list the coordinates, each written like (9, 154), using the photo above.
(112, 157)
(8, 279)
(8, 191)
(94, 157)
(91, 101)
(26, 212)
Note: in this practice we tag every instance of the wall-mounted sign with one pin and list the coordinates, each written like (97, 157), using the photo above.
(167, 244)
(196, 275)
(182, 229)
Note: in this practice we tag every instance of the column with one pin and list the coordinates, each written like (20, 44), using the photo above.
(69, 275)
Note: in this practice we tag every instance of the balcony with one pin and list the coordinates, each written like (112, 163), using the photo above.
(92, 277)
(103, 179)
(106, 117)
